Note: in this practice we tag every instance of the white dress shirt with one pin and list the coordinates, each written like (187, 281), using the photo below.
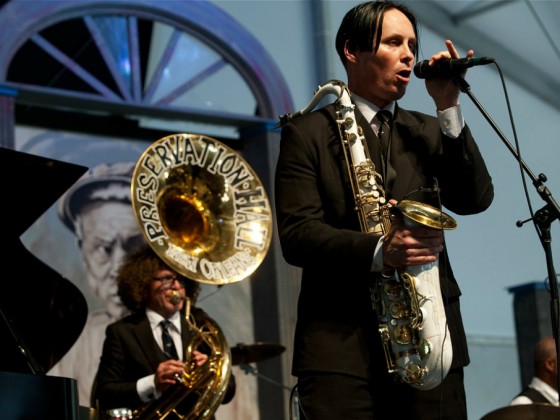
(145, 386)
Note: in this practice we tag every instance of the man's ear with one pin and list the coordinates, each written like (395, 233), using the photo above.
(550, 364)
(350, 54)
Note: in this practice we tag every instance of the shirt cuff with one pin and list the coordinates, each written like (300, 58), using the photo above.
(451, 121)
(377, 263)
(146, 388)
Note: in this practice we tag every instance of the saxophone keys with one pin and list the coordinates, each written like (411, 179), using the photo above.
(413, 373)
(424, 348)
(398, 310)
(410, 370)
(392, 288)
(402, 334)
(348, 122)
(388, 272)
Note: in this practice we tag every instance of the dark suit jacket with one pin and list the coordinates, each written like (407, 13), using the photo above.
(319, 230)
(130, 352)
(533, 395)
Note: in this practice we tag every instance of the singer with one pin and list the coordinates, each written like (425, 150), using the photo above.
(136, 365)
(338, 357)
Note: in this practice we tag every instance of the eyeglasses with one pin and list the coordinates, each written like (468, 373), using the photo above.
(168, 280)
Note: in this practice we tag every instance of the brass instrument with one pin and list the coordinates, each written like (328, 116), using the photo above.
(408, 302)
(206, 214)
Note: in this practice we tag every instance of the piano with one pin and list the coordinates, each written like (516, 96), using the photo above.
(41, 313)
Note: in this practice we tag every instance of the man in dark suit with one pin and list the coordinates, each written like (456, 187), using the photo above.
(543, 387)
(143, 360)
(338, 355)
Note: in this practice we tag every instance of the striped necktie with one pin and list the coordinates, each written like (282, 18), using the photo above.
(168, 345)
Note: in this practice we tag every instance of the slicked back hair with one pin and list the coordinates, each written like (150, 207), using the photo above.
(363, 24)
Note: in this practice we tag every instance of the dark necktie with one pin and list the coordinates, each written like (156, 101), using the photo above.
(168, 345)
(384, 132)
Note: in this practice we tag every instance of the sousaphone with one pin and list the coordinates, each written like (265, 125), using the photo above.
(204, 211)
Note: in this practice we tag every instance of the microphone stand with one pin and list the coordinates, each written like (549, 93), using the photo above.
(294, 401)
(543, 218)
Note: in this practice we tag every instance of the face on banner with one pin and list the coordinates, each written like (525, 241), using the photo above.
(108, 231)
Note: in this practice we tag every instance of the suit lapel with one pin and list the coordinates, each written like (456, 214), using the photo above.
(405, 132)
(146, 342)
(148, 345)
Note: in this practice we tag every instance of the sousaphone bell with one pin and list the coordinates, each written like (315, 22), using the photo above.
(202, 208)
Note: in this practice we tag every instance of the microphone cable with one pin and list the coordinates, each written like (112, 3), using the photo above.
(295, 403)
(518, 151)
(443, 269)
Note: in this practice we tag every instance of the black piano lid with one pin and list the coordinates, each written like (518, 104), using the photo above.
(42, 313)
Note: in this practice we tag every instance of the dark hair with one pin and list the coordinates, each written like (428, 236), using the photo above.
(363, 24)
(136, 273)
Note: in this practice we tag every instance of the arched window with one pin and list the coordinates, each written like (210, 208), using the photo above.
(149, 61)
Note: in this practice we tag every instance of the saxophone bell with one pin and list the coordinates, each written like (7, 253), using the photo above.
(415, 214)
(415, 337)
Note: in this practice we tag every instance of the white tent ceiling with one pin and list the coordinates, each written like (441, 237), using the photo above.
(523, 36)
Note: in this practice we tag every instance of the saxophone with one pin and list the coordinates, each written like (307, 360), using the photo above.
(408, 301)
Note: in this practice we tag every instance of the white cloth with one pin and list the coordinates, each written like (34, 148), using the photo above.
(546, 390)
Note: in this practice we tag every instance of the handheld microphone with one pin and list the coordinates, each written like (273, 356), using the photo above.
(447, 68)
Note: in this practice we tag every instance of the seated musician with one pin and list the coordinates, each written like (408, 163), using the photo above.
(138, 363)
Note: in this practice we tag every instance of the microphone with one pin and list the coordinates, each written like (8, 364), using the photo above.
(447, 68)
